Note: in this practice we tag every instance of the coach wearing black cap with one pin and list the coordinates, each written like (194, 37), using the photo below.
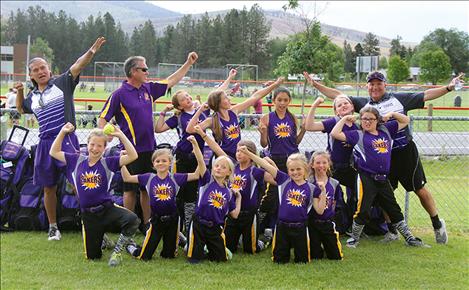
(406, 167)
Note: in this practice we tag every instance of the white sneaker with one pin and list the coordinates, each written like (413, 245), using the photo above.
(352, 243)
(54, 234)
(441, 236)
(389, 237)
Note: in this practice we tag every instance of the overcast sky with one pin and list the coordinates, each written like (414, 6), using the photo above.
(410, 19)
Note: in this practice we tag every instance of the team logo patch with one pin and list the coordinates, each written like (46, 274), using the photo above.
(90, 180)
(239, 182)
(295, 197)
(232, 132)
(163, 192)
(282, 130)
(216, 199)
(380, 145)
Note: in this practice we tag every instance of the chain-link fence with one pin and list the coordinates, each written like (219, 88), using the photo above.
(444, 152)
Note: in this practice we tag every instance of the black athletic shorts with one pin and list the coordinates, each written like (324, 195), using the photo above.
(140, 166)
(406, 168)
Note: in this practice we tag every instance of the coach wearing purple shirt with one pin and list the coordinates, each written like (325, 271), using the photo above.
(406, 167)
(131, 106)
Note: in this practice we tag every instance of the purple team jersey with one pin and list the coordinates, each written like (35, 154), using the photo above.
(162, 192)
(373, 152)
(231, 134)
(180, 123)
(91, 182)
(282, 135)
(132, 109)
(295, 201)
(334, 194)
(247, 181)
(341, 152)
(215, 201)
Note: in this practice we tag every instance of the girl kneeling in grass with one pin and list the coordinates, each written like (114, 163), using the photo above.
(295, 201)
(163, 188)
(91, 176)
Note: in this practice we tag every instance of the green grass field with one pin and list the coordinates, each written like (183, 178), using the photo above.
(29, 261)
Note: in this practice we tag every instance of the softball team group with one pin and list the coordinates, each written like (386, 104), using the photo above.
(219, 205)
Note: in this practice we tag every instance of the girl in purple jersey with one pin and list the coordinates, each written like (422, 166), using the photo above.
(215, 201)
(92, 176)
(224, 122)
(372, 152)
(295, 201)
(186, 162)
(163, 188)
(279, 131)
(322, 232)
(249, 180)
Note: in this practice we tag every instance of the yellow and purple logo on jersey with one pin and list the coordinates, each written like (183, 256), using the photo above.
(216, 199)
(295, 197)
(239, 182)
(380, 145)
(282, 130)
(232, 132)
(90, 180)
(163, 192)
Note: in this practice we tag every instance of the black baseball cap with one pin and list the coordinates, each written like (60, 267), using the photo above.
(375, 75)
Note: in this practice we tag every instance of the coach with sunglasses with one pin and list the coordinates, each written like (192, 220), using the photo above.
(406, 166)
(131, 106)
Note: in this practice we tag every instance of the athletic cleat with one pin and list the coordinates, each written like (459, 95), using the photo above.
(107, 243)
(352, 243)
(441, 236)
(389, 237)
(414, 242)
(54, 234)
(115, 260)
(131, 247)
(261, 245)
(229, 254)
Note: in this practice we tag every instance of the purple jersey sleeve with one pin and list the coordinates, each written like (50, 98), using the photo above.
(113, 163)
(157, 89)
(328, 125)
(393, 127)
(258, 174)
(71, 161)
(281, 177)
(351, 137)
(172, 122)
(205, 178)
(339, 195)
(181, 178)
(143, 179)
(232, 203)
(111, 107)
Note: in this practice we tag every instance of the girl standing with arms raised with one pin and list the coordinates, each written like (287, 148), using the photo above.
(224, 122)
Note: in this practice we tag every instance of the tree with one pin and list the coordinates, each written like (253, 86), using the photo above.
(455, 45)
(435, 66)
(258, 33)
(383, 63)
(40, 48)
(397, 48)
(371, 44)
(398, 69)
(349, 62)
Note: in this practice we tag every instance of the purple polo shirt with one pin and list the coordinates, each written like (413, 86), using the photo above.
(132, 109)
(215, 201)
(341, 152)
(91, 182)
(162, 192)
(373, 152)
(248, 181)
(295, 201)
(180, 123)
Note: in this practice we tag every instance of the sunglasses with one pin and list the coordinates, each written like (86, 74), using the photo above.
(143, 69)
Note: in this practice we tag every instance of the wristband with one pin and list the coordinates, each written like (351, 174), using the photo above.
(162, 114)
(447, 88)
